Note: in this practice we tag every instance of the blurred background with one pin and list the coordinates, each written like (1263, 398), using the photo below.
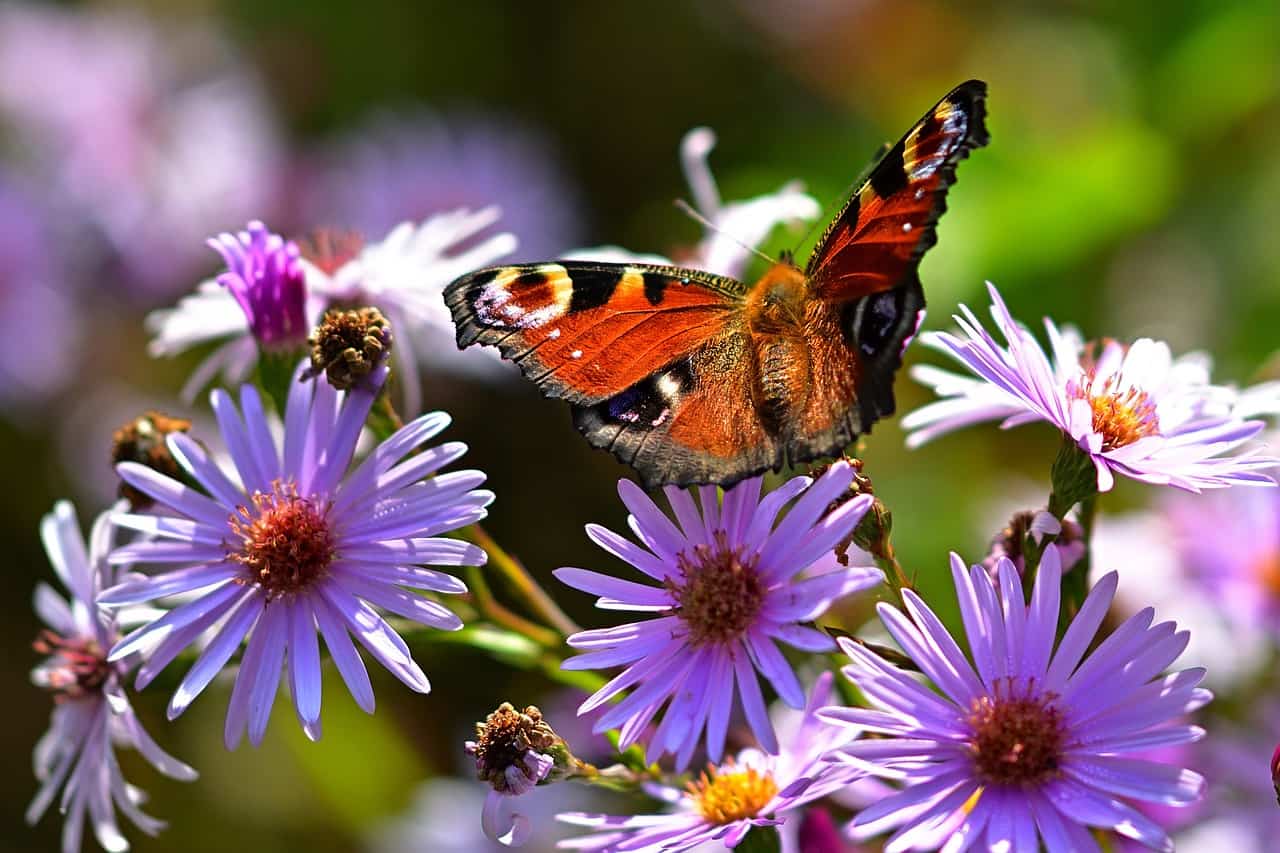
(1131, 187)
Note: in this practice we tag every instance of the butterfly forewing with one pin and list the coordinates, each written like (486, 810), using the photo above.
(877, 240)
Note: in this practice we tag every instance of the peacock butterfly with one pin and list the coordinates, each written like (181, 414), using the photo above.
(691, 377)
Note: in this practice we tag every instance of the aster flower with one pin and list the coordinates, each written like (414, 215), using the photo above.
(726, 802)
(1241, 814)
(735, 225)
(403, 276)
(1135, 410)
(92, 715)
(728, 583)
(296, 544)
(1027, 742)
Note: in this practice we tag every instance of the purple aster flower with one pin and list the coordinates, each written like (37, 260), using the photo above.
(1135, 410)
(1241, 813)
(264, 276)
(1027, 742)
(727, 584)
(413, 166)
(92, 715)
(734, 226)
(297, 544)
(726, 802)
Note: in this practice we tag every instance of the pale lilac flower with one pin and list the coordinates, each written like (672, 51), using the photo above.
(1135, 410)
(92, 715)
(1027, 743)
(403, 275)
(735, 226)
(297, 543)
(406, 167)
(148, 136)
(725, 585)
(755, 790)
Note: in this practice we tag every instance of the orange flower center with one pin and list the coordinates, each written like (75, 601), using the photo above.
(1120, 415)
(731, 793)
(719, 595)
(285, 541)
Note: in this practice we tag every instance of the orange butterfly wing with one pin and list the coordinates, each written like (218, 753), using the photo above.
(654, 359)
(866, 300)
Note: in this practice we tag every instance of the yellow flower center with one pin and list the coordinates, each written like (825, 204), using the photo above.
(730, 793)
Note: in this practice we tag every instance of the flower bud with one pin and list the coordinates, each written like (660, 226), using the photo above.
(348, 345)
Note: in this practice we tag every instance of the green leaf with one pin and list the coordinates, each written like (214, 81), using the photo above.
(509, 647)
(761, 839)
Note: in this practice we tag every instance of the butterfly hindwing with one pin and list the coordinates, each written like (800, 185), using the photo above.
(585, 332)
(692, 422)
(877, 240)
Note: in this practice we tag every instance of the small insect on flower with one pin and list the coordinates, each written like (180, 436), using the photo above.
(1135, 410)
(1027, 743)
(731, 581)
(91, 715)
(727, 801)
(297, 544)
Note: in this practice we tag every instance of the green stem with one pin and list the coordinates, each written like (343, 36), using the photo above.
(520, 581)
(495, 612)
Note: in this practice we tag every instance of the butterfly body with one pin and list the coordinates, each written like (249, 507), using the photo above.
(692, 377)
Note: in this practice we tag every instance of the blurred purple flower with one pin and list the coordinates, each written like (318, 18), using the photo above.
(297, 544)
(1135, 410)
(1241, 813)
(150, 137)
(40, 325)
(727, 586)
(1034, 744)
(412, 166)
(92, 714)
(726, 802)
(733, 227)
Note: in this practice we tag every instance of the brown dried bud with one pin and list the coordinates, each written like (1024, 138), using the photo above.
(142, 440)
(515, 750)
(348, 345)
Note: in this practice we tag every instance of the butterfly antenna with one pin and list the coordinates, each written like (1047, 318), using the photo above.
(711, 226)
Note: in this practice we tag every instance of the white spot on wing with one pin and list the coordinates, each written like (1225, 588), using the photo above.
(576, 354)
(494, 306)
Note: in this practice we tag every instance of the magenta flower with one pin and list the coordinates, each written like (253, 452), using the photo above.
(727, 584)
(92, 715)
(298, 544)
(265, 277)
(1135, 410)
(728, 801)
(1027, 742)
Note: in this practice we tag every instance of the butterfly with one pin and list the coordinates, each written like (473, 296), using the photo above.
(696, 378)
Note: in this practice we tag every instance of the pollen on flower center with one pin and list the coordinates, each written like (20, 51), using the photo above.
(719, 595)
(1016, 740)
(285, 541)
(1121, 416)
(731, 793)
